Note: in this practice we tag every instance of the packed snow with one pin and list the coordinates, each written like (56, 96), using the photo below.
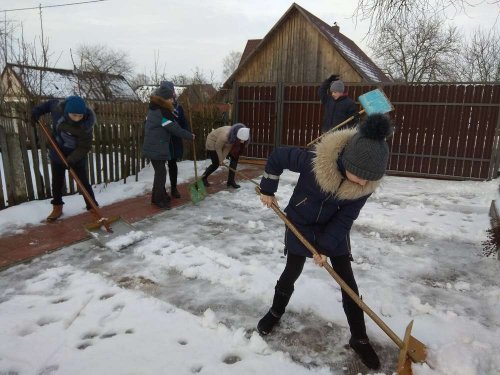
(186, 299)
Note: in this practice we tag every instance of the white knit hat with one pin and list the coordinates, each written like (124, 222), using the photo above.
(243, 134)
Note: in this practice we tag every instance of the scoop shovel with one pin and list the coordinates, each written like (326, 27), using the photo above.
(116, 236)
(372, 102)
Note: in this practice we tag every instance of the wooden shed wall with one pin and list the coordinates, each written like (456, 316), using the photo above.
(296, 53)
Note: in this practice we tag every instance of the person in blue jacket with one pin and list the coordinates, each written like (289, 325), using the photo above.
(338, 106)
(335, 182)
(176, 144)
(72, 128)
(161, 124)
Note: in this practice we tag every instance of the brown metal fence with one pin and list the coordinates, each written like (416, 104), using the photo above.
(442, 130)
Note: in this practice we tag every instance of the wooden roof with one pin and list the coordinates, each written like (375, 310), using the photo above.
(349, 50)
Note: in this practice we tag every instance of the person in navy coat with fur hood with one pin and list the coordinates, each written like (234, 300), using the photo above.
(72, 128)
(335, 182)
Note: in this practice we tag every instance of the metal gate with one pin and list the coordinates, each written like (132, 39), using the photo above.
(445, 130)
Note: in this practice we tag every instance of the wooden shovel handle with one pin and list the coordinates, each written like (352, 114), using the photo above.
(334, 128)
(194, 143)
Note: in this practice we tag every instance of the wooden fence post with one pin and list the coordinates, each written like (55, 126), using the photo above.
(13, 164)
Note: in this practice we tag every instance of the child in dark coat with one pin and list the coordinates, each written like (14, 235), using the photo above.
(338, 106)
(176, 143)
(72, 128)
(335, 182)
(161, 124)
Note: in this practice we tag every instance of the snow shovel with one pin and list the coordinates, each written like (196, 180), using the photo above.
(372, 102)
(122, 234)
(411, 349)
(197, 190)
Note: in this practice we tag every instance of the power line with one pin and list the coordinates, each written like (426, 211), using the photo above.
(53, 6)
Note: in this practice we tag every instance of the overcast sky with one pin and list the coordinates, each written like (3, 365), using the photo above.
(187, 33)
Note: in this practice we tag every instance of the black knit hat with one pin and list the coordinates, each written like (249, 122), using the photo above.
(165, 92)
(367, 153)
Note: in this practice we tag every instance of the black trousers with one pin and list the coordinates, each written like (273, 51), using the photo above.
(342, 266)
(59, 177)
(233, 163)
(172, 172)
(159, 194)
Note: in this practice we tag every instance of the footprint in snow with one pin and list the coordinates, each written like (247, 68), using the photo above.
(46, 320)
(49, 370)
(231, 359)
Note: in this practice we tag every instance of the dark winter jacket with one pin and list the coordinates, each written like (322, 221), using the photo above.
(161, 123)
(176, 144)
(74, 138)
(335, 111)
(324, 203)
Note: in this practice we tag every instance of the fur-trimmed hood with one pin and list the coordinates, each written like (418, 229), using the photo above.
(161, 102)
(326, 171)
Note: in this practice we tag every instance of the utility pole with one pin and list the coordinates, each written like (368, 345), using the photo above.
(42, 40)
(5, 36)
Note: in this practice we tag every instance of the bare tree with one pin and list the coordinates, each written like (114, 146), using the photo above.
(230, 63)
(18, 50)
(418, 50)
(158, 73)
(480, 59)
(381, 12)
(7, 29)
(103, 63)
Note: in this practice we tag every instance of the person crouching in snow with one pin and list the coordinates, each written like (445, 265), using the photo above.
(335, 182)
(72, 128)
(161, 124)
(225, 141)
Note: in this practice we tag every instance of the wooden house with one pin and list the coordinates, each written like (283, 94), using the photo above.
(301, 48)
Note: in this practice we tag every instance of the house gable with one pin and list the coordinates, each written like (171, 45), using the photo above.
(300, 48)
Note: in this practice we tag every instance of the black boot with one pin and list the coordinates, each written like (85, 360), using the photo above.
(280, 301)
(175, 193)
(233, 184)
(205, 181)
(267, 323)
(365, 351)
(231, 175)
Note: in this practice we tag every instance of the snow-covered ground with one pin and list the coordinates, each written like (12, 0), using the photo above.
(187, 298)
(14, 219)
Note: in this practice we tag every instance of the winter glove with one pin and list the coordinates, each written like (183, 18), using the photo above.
(356, 117)
(333, 77)
(33, 120)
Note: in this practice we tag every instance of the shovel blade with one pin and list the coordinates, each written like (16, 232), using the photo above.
(417, 351)
(197, 191)
(375, 101)
(122, 234)
(412, 350)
